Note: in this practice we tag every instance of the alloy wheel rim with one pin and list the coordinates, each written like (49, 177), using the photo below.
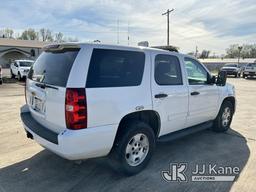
(226, 116)
(137, 149)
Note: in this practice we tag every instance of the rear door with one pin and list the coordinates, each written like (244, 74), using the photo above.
(170, 92)
(46, 87)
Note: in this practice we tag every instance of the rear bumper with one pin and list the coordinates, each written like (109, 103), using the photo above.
(71, 144)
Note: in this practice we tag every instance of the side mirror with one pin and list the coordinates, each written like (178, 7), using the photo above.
(211, 79)
(222, 78)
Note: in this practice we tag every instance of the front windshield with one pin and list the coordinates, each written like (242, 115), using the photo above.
(251, 65)
(230, 65)
(25, 63)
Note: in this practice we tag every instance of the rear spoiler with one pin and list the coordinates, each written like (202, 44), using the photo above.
(60, 47)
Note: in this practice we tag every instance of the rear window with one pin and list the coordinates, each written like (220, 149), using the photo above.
(115, 68)
(53, 67)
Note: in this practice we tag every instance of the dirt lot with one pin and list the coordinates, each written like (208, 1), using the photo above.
(25, 166)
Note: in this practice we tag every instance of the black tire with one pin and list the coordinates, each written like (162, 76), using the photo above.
(1, 81)
(244, 76)
(118, 155)
(19, 77)
(219, 125)
(12, 75)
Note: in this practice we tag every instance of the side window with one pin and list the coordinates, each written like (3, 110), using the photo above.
(115, 68)
(167, 70)
(15, 64)
(196, 73)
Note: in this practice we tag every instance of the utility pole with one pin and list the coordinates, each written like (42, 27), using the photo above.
(167, 13)
(196, 52)
(239, 53)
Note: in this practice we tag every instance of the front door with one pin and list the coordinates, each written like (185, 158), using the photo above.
(203, 97)
(169, 92)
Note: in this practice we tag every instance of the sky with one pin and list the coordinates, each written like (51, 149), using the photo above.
(212, 25)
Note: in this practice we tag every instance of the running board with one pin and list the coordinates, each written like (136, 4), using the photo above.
(184, 132)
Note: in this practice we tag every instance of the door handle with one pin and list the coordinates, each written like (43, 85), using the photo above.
(194, 93)
(160, 95)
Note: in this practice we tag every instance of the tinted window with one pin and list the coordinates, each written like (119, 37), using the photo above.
(167, 70)
(230, 65)
(25, 64)
(196, 72)
(114, 68)
(53, 67)
(251, 65)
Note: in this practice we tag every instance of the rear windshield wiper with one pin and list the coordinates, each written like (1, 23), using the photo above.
(43, 86)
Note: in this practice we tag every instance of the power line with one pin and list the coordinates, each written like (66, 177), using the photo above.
(167, 13)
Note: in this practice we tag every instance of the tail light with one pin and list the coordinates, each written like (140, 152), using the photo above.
(75, 108)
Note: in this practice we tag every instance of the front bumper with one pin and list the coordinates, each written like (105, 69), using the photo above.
(23, 74)
(253, 73)
(231, 72)
(71, 144)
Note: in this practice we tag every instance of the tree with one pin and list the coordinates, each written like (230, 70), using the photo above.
(232, 51)
(71, 39)
(29, 34)
(6, 33)
(248, 51)
(59, 37)
(205, 54)
(46, 34)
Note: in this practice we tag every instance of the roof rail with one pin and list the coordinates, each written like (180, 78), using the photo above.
(168, 48)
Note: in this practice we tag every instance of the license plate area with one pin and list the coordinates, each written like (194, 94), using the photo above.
(37, 104)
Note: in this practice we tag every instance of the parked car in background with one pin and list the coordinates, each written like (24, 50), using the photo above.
(91, 100)
(20, 68)
(1, 80)
(232, 69)
(249, 70)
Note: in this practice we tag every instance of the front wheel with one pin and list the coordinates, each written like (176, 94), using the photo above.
(19, 77)
(12, 75)
(224, 118)
(133, 148)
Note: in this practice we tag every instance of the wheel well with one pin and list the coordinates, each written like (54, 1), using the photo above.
(150, 117)
(231, 100)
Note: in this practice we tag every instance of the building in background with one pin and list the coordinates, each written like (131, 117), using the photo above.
(13, 49)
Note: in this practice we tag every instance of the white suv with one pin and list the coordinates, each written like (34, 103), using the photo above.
(20, 68)
(249, 70)
(91, 100)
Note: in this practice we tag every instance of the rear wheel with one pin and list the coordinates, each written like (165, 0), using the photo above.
(1, 81)
(133, 148)
(244, 76)
(224, 118)
(12, 75)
